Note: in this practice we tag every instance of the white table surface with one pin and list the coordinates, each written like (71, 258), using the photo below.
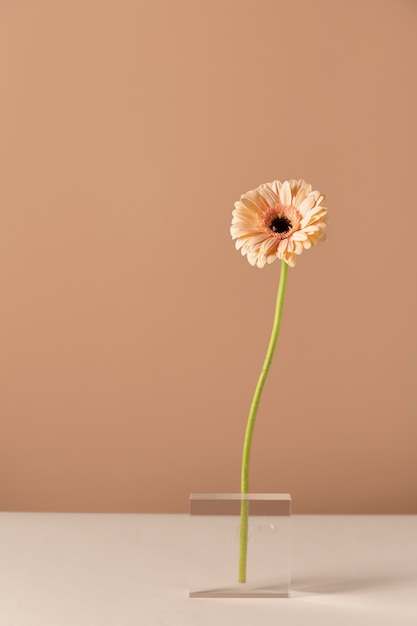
(124, 570)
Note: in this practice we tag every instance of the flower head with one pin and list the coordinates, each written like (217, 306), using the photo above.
(278, 220)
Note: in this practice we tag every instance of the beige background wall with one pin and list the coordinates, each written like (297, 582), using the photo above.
(131, 331)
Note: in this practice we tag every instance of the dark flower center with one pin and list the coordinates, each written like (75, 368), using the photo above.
(280, 225)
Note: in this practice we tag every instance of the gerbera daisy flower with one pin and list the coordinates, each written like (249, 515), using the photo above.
(278, 221)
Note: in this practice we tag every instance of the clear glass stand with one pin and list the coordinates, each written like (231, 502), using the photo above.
(214, 537)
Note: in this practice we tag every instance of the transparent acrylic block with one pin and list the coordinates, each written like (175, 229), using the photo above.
(214, 537)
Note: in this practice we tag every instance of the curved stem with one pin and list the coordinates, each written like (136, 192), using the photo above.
(244, 511)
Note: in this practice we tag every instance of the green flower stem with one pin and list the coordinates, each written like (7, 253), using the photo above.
(244, 511)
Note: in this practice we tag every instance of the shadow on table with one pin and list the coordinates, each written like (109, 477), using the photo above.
(346, 585)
